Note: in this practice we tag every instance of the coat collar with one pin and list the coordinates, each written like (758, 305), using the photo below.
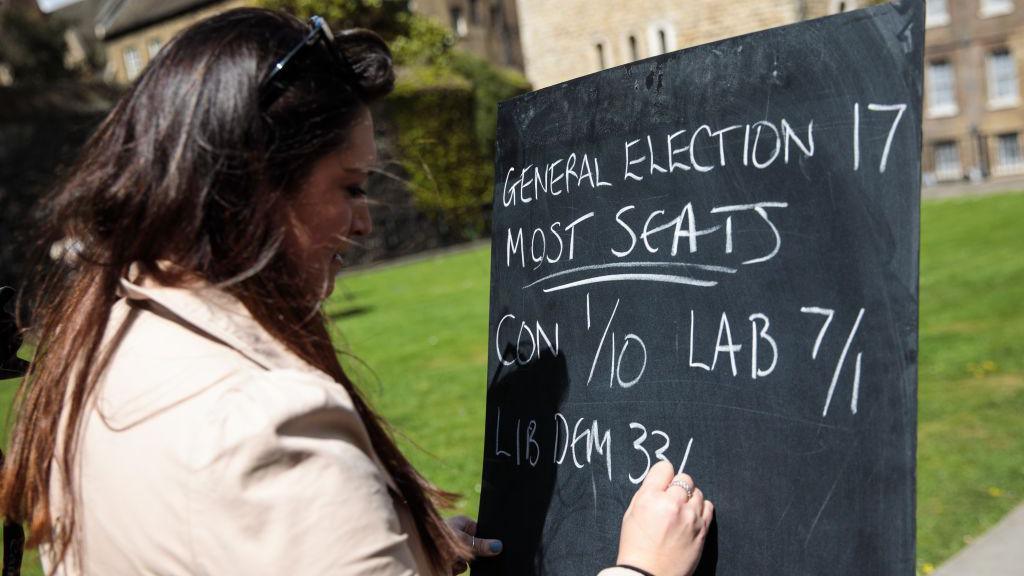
(218, 314)
(222, 317)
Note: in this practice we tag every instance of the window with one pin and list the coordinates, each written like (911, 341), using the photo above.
(947, 161)
(838, 6)
(936, 13)
(1008, 152)
(132, 62)
(601, 64)
(661, 37)
(1002, 79)
(495, 15)
(634, 53)
(153, 46)
(509, 49)
(459, 22)
(474, 11)
(995, 8)
(941, 89)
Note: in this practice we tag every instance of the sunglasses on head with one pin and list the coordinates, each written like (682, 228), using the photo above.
(319, 32)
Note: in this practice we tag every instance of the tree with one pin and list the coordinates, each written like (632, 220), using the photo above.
(444, 107)
(389, 18)
(33, 45)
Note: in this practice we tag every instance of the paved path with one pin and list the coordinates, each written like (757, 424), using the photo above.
(999, 552)
(973, 189)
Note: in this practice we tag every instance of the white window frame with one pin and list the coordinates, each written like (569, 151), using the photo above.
(459, 23)
(943, 109)
(153, 46)
(991, 8)
(1014, 165)
(132, 58)
(846, 6)
(946, 174)
(634, 50)
(999, 101)
(606, 51)
(933, 18)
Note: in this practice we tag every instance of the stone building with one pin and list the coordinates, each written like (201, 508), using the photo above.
(973, 118)
(133, 31)
(570, 38)
(489, 28)
(973, 114)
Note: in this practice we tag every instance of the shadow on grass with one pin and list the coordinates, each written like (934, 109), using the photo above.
(349, 312)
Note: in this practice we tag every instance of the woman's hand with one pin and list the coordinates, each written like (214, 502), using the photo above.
(482, 547)
(664, 527)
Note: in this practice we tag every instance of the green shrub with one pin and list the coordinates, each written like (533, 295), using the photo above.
(437, 146)
(443, 110)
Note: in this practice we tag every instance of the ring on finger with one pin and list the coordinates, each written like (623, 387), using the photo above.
(472, 543)
(682, 484)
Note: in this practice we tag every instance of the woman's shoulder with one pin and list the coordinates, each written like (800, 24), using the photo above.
(206, 381)
(162, 365)
(269, 400)
(260, 412)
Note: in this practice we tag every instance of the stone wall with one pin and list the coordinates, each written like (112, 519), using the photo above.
(561, 39)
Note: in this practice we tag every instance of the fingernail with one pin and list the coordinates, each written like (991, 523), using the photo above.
(496, 546)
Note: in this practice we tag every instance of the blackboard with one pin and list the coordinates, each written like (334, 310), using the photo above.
(712, 256)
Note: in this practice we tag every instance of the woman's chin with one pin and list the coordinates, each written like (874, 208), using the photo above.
(334, 268)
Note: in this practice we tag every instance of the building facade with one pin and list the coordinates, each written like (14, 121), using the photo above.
(973, 119)
(488, 28)
(133, 31)
(570, 38)
(973, 115)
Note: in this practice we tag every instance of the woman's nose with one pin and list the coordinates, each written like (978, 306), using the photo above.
(362, 222)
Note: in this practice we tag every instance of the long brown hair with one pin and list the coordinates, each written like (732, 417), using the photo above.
(190, 167)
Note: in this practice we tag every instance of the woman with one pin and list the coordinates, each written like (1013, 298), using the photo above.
(186, 412)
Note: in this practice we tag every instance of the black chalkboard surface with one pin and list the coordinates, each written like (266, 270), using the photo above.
(711, 256)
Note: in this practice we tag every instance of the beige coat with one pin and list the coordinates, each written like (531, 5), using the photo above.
(209, 448)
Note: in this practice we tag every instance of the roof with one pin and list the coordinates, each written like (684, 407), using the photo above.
(79, 15)
(118, 17)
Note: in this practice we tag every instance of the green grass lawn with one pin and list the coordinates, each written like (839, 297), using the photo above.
(418, 336)
(971, 396)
